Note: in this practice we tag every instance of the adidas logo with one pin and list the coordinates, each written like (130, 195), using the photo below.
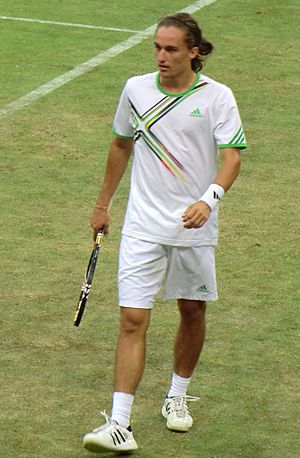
(203, 289)
(196, 113)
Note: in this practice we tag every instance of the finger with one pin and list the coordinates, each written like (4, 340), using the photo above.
(94, 234)
(195, 222)
(187, 210)
(189, 214)
(105, 230)
(193, 216)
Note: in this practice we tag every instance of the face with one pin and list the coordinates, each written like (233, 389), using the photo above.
(172, 54)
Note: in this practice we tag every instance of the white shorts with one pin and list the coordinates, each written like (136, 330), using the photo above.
(189, 273)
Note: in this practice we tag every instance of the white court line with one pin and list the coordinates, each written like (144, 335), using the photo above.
(67, 24)
(90, 64)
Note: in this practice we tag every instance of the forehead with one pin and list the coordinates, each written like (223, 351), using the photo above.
(170, 36)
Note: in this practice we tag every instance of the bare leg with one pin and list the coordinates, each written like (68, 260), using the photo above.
(190, 336)
(131, 350)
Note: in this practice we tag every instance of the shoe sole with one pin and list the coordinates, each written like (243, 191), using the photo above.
(98, 448)
(180, 428)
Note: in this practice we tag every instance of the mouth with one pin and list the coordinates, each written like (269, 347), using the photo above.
(163, 67)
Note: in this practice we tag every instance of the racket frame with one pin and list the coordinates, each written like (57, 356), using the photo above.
(88, 279)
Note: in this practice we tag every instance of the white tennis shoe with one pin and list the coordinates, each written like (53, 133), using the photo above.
(177, 413)
(110, 437)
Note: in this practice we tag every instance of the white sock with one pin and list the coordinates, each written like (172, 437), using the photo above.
(121, 408)
(179, 386)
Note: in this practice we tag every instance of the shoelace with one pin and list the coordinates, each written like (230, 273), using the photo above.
(179, 404)
(108, 420)
(118, 435)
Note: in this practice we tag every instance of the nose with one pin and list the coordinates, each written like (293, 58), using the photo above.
(161, 55)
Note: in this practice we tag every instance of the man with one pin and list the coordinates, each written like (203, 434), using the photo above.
(176, 121)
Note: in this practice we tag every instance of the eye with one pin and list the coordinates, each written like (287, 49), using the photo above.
(171, 49)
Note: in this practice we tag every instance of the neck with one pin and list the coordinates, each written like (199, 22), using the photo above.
(178, 84)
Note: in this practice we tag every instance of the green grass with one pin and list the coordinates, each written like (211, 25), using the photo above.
(56, 378)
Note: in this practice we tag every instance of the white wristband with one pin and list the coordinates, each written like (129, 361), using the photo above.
(213, 195)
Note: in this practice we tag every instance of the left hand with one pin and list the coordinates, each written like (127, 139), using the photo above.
(196, 215)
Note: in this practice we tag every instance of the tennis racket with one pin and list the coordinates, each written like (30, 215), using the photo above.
(86, 285)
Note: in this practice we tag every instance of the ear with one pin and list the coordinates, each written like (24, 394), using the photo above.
(194, 52)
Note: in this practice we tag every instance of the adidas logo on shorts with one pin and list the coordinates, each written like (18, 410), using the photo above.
(203, 289)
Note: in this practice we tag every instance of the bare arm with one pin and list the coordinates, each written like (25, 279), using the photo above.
(197, 214)
(230, 169)
(117, 162)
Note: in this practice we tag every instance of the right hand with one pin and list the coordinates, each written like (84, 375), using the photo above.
(100, 219)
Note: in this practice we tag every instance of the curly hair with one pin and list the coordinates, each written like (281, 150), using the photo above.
(192, 34)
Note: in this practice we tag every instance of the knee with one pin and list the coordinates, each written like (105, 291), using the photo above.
(134, 320)
(192, 311)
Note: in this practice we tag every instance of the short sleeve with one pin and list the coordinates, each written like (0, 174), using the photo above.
(228, 130)
(121, 126)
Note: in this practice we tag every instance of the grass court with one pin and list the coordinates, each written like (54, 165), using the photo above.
(56, 378)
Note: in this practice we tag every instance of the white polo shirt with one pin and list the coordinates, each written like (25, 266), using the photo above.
(176, 141)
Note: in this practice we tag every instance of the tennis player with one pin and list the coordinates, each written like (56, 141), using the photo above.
(177, 121)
